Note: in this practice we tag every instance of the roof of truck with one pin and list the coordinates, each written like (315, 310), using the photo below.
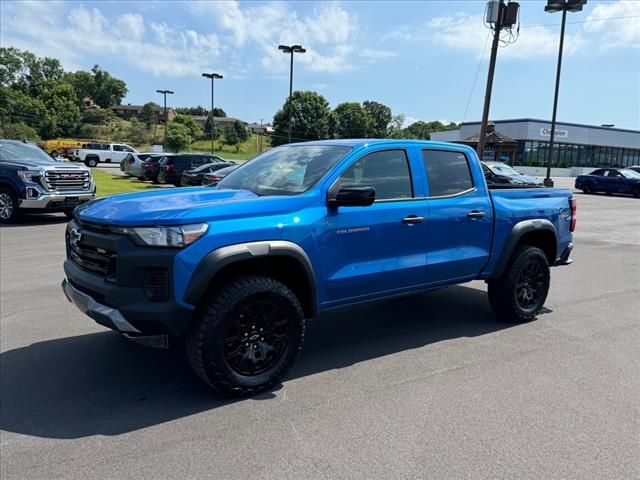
(360, 142)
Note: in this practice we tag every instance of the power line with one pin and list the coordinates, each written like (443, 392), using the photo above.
(475, 79)
(580, 21)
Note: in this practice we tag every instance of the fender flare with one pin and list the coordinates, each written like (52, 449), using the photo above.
(517, 232)
(216, 260)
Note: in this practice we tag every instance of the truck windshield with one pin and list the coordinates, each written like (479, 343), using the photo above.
(287, 170)
(22, 152)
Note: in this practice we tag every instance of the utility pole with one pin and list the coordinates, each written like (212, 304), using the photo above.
(261, 135)
(554, 6)
(492, 67)
(212, 76)
(166, 118)
(291, 49)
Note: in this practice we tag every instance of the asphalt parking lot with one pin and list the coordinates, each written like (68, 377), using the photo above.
(431, 386)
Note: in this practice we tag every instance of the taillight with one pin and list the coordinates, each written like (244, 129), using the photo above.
(168, 167)
(131, 161)
(574, 210)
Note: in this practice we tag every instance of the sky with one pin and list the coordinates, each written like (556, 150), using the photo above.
(426, 60)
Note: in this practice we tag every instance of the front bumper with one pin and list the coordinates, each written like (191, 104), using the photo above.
(57, 201)
(107, 316)
(120, 296)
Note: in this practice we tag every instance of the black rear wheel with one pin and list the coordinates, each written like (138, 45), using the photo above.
(248, 335)
(519, 294)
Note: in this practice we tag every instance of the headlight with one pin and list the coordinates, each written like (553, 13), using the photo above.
(176, 237)
(31, 176)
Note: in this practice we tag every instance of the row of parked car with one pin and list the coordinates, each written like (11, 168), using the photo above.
(179, 169)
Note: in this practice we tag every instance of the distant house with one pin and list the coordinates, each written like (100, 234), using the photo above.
(128, 112)
(221, 122)
(259, 128)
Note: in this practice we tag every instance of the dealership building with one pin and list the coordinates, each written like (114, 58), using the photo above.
(577, 148)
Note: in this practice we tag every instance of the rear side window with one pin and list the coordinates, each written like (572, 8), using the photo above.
(387, 171)
(448, 172)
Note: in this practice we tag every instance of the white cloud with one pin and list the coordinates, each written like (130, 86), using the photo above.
(370, 55)
(468, 32)
(86, 32)
(623, 32)
(131, 25)
(328, 33)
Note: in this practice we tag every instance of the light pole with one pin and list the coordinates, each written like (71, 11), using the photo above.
(212, 76)
(291, 49)
(166, 119)
(554, 6)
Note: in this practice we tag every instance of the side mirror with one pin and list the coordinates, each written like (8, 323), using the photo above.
(353, 197)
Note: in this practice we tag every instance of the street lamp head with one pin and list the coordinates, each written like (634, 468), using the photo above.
(284, 48)
(212, 75)
(554, 6)
(299, 49)
(164, 92)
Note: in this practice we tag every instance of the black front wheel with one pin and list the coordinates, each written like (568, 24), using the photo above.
(519, 294)
(247, 336)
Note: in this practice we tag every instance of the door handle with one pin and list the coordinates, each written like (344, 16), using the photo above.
(412, 220)
(476, 214)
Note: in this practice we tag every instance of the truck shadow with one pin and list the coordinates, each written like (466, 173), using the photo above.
(102, 384)
(30, 220)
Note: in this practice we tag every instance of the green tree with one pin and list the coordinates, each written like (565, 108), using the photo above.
(195, 130)
(107, 90)
(207, 128)
(97, 116)
(18, 131)
(63, 113)
(23, 71)
(139, 132)
(16, 107)
(231, 137)
(395, 128)
(380, 116)
(149, 113)
(352, 121)
(419, 130)
(178, 137)
(241, 131)
(310, 114)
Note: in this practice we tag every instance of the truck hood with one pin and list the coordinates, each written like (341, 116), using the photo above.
(179, 206)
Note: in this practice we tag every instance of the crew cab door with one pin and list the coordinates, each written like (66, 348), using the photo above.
(378, 249)
(459, 219)
(119, 152)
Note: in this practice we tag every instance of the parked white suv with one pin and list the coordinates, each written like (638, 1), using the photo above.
(93, 153)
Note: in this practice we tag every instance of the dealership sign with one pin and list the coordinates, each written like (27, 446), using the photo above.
(546, 132)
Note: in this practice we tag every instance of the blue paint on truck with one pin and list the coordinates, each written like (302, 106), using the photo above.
(333, 222)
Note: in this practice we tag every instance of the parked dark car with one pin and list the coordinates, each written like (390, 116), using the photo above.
(212, 179)
(610, 180)
(171, 168)
(196, 176)
(151, 167)
(500, 174)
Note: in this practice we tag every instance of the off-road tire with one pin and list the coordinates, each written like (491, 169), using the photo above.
(9, 198)
(206, 337)
(503, 291)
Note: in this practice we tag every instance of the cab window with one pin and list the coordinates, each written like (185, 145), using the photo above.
(386, 171)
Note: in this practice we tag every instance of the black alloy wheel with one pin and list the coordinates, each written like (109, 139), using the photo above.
(529, 285)
(256, 339)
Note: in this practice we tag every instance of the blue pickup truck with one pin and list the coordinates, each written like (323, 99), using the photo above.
(300, 229)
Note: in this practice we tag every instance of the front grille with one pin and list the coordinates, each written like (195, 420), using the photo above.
(71, 180)
(93, 259)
